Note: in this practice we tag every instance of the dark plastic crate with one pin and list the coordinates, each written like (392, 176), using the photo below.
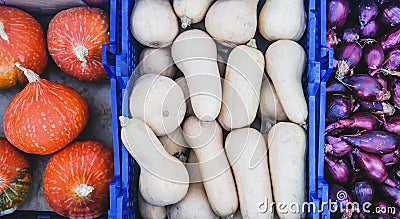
(120, 60)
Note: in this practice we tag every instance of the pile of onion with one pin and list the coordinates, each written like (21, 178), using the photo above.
(76, 180)
(21, 40)
(75, 38)
(45, 116)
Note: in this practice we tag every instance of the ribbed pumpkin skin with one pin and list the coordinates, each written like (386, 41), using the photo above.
(15, 177)
(45, 117)
(82, 26)
(84, 162)
(26, 44)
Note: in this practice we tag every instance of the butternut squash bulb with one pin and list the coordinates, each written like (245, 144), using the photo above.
(191, 12)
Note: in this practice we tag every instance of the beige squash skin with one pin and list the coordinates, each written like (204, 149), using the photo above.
(195, 204)
(282, 20)
(184, 86)
(191, 12)
(195, 54)
(158, 101)
(163, 179)
(247, 153)
(154, 23)
(287, 159)
(148, 211)
(285, 63)
(241, 89)
(232, 22)
(205, 138)
(270, 107)
(175, 144)
(156, 61)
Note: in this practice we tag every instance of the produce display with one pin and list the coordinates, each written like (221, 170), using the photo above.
(75, 38)
(199, 84)
(22, 40)
(15, 178)
(362, 123)
(77, 179)
(45, 118)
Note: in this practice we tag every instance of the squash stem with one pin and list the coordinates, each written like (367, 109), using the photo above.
(3, 33)
(252, 43)
(124, 121)
(30, 75)
(81, 52)
(186, 22)
(83, 190)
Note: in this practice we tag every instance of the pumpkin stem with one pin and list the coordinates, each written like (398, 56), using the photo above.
(252, 43)
(186, 22)
(83, 190)
(30, 75)
(3, 33)
(124, 121)
(81, 52)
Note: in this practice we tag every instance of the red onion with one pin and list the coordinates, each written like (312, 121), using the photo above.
(367, 11)
(336, 147)
(337, 170)
(393, 63)
(348, 55)
(382, 80)
(392, 124)
(338, 107)
(353, 165)
(365, 87)
(340, 195)
(337, 11)
(373, 55)
(391, 194)
(359, 121)
(395, 90)
(390, 159)
(391, 39)
(370, 30)
(350, 35)
(377, 142)
(378, 108)
(363, 192)
(372, 165)
(334, 86)
(331, 38)
(391, 13)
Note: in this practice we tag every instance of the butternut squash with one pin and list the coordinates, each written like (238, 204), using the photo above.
(175, 144)
(163, 179)
(242, 85)
(184, 86)
(285, 63)
(195, 54)
(205, 138)
(148, 211)
(191, 12)
(156, 61)
(154, 23)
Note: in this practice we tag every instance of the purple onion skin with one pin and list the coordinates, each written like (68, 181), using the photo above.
(391, 39)
(391, 13)
(394, 60)
(390, 159)
(372, 166)
(373, 55)
(336, 147)
(395, 90)
(337, 12)
(353, 166)
(363, 192)
(342, 197)
(360, 121)
(377, 142)
(337, 170)
(379, 206)
(334, 86)
(367, 88)
(338, 107)
(382, 80)
(331, 38)
(370, 30)
(378, 108)
(392, 124)
(367, 11)
(359, 215)
(350, 34)
(349, 53)
(391, 194)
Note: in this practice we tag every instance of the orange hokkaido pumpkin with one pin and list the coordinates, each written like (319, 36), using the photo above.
(15, 178)
(76, 180)
(45, 116)
(21, 40)
(75, 38)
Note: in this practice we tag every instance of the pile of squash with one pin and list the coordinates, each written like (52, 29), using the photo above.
(207, 113)
(46, 117)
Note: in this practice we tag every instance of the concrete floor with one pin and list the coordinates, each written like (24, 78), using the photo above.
(97, 96)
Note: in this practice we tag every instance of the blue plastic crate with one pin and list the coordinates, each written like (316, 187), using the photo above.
(120, 58)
